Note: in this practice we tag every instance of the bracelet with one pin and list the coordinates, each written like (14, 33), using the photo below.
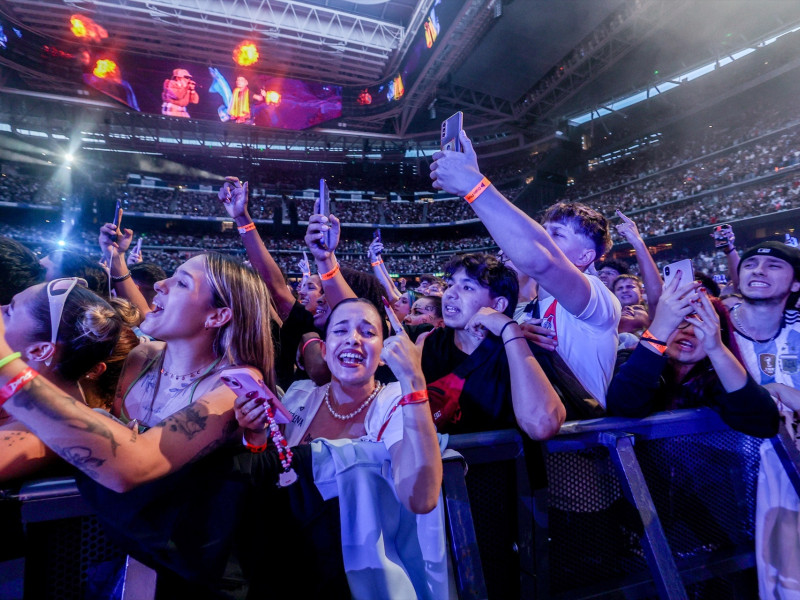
(657, 345)
(118, 278)
(519, 337)
(377, 262)
(16, 384)
(252, 447)
(330, 274)
(245, 228)
(9, 358)
(482, 186)
(729, 249)
(307, 342)
(414, 398)
(509, 322)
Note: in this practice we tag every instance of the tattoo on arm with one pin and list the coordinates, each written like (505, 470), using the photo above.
(58, 406)
(231, 427)
(188, 421)
(81, 457)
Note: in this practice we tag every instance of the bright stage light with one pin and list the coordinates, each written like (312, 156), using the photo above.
(68, 157)
(84, 27)
(245, 54)
(61, 243)
(105, 68)
(272, 97)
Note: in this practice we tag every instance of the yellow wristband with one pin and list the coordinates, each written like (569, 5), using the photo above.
(10, 358)
(330, 274)
(482, 186)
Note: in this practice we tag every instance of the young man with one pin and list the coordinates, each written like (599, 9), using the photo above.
(480, 371)
(628, 290)
(768, 336)
(609, 270)
(578, 307)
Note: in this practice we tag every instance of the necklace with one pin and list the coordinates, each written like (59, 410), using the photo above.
(348, 416)
(738, 322)
(192, 375)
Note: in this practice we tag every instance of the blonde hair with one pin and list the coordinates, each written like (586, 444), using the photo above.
(246, 339)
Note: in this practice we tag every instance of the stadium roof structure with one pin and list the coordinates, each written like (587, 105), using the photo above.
(515, 67)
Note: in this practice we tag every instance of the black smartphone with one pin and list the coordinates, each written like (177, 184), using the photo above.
(451, 128)
(721, 233)
(325, 209)
(117, 220)
(377, 236)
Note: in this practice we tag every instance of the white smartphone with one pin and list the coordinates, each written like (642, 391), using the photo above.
(684, 266)
(451, 128)
(242, 382)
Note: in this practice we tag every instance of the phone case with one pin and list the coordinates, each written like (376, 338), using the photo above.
(450, 130)
(325, 209)
(242, 382)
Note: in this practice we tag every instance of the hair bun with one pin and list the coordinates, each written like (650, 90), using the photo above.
(100, 323)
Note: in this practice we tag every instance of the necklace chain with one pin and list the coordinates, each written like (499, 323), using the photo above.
(192, 375)
(738, 322)
(348, 416)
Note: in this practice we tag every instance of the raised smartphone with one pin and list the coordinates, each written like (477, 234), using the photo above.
(684, 266)
(117, 219)
(325, 209)
(450, 131)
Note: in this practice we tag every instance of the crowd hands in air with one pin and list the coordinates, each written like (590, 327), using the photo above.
(539, 332)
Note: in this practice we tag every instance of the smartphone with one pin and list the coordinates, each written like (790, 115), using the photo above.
(376, 235)
(684, 266)
(325, 209)
(721, 235)
(242, 382)
(117, 219)
(138, 248)
(450, 131)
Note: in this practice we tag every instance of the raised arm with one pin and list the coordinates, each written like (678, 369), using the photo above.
(537, 407)
(118, 268)
(375, 256)
(106, 450)
(233, 195)
(416, 459)
(647, 266)
(521, 238)
(333, 284)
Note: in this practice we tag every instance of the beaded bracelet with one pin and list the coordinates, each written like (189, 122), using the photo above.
(330, 274)
(16, 384)
(245, 228)
(10, 358)
(482, 186)
(118, 278)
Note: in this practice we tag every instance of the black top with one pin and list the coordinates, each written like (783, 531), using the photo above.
(643, 386)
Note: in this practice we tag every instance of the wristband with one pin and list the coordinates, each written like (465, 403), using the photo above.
(16, 384)
(482, 186)
(330, 274)
(509, 322)
(377, 262)
(307, 342)
(414, 398)
(658, 345)
(729, 249)
(10, 358)
(118, 278)
(519, 337)
(252, 447)
(245, 228)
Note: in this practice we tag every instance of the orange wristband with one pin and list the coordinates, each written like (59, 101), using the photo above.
(245, 228)
(482, 186)
(377, 262)
(330, 274)
(660, 346)
(414, 398)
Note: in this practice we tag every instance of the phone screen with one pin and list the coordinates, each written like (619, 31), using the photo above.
(117, 220)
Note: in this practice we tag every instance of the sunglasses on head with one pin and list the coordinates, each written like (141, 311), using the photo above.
(57, 293)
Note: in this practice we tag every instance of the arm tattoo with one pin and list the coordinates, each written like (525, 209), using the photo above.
(231, 427)
(81, 457)
(58, 406)
(188, 421)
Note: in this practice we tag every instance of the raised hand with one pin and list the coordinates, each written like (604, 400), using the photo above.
(678, 300)
(456, 172)
(375, 250)
(706, 324)
(110, 247)
(627, 228)
(318, 226)
(234, 197)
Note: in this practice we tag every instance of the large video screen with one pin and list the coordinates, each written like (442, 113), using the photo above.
(183, 89)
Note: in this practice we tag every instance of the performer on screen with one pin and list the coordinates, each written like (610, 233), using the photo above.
(239, 109)
(178, 93)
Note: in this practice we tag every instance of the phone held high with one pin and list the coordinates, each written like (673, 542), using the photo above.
(325, 209)
(451, 128)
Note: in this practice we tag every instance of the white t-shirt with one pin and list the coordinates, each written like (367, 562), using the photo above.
(303, 399)
(587, 342)
(776, 360)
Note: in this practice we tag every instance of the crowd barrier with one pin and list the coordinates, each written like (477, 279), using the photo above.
(661, 507)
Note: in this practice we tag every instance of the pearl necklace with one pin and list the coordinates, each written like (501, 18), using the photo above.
(745, 331)
(348, 416)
